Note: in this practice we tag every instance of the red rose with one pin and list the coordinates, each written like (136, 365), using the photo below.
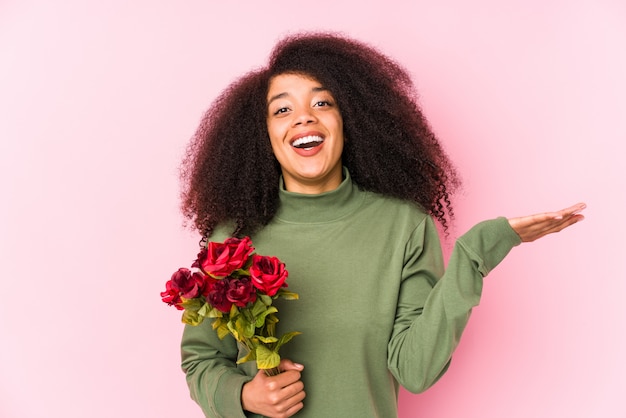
(221, 259)
(171, 296)
(268, 274)
(217, 295)
(183, 283)
(241, 292)
(201, 256)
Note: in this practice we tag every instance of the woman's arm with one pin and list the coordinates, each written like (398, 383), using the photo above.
(433, 308)
(214, 381)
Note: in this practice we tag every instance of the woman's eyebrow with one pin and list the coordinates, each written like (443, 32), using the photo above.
(278, 96)
(286, 94)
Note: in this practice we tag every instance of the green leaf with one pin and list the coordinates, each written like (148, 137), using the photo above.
(192, 304)
(286, 338)
(205, 310)
(248, 263)
(215, 313)
(266, 358)
(248, 357)
(240, 273)
(285, 294)
(267, 300)
(233, 330)
(270, 324)
(192, 318)
(234, 311)
(258, 308)
(222, 331)
(267, 340)
(260, 320)
(244, 327)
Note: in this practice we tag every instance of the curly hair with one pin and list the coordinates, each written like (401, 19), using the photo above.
(229, 173)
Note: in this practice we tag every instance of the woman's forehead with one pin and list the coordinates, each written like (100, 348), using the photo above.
(288, 83)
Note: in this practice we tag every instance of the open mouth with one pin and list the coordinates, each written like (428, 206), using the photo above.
(308, 142)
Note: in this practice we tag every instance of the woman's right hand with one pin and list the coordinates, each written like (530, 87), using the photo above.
(277, 396)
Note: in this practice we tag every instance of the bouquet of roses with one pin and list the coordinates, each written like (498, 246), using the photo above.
(235, 287)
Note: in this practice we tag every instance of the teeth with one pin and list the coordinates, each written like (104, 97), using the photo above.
(300, 142)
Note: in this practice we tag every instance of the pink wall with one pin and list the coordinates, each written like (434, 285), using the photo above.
(98, 100)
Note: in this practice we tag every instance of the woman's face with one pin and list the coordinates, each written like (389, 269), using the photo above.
(306, 132)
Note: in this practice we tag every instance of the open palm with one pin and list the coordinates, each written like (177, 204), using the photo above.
(533, 227)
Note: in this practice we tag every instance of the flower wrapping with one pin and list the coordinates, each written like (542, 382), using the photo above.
(236, 288)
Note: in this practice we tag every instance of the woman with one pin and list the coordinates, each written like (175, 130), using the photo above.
(325, 159)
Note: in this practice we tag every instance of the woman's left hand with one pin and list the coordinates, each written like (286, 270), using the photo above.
(530, 228)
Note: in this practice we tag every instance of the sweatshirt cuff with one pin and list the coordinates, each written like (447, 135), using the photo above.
(228, 395)
(489, 242)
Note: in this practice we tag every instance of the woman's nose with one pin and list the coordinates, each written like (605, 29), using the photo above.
(304, 117)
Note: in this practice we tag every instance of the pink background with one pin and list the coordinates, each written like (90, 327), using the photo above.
(98, 99)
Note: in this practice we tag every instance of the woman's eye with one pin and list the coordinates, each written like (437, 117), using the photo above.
(322, 103)
(281, 110)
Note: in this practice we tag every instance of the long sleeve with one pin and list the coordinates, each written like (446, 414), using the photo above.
(376, 309)
(214, 381)
(434, 306)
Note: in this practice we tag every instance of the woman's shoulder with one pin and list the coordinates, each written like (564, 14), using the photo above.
(399, 209)
(222, 231)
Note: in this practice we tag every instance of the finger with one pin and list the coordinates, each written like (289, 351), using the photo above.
(546, 220)
(292, 411)
(559, 222)
(295, 403)
(566, 222)
(286, 379)
(539, 218)
(537, 231)
(288, 400)
(293, 393)
(286, 364)
(572, 210)
(292, 397)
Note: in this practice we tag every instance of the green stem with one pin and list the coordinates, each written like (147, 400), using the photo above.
(274, 371)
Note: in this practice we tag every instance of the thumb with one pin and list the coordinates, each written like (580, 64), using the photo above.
(286, 364)
(260, 375)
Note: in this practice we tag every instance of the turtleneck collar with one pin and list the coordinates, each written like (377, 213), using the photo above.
(319, 208)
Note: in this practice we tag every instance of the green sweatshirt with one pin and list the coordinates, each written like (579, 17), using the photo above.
(376, 309)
